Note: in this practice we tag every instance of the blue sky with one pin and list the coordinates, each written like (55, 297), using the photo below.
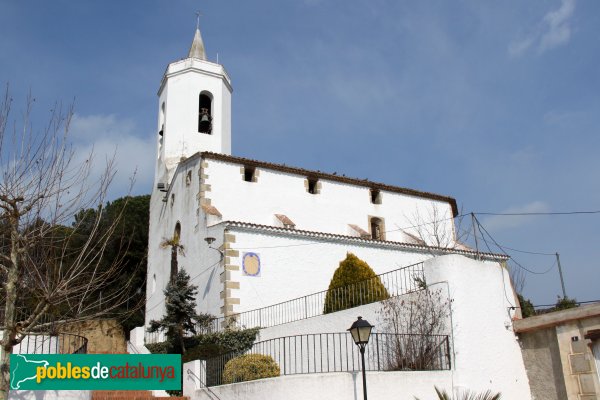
(494, 103)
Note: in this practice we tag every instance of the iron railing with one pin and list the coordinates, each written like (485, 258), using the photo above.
(396, 283)
(46, 343)
(336, 352)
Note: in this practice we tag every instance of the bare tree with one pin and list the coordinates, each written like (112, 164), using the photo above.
(434, 227)
(47, 264)
(417, 321)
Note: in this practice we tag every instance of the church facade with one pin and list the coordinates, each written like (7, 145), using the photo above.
(254, 234)
(266, 210)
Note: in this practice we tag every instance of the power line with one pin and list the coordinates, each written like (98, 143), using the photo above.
(538, 213)
(512, 258)
(530, 252)
(469, 233)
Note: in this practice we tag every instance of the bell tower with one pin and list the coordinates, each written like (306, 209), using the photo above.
(194, 111)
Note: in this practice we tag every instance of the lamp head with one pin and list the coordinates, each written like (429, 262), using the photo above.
(209, 240)
(360, 331)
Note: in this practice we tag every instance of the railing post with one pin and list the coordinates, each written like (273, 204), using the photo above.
(377, 344)
(305, 306)
(448, 353)
(284, 364)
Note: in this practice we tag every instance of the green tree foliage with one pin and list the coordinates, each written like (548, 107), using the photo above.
(353, 284)
(129, 244)
(527, 309)
(467, 395)
(181, 316)
(249, 367)
(564, 303)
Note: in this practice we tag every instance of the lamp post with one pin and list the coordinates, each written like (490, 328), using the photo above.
(360, 331)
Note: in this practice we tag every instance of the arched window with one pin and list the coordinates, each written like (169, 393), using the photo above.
(161, 132)
(377, 228)
(205, 113)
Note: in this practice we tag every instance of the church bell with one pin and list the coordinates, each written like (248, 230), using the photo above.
(205, 123)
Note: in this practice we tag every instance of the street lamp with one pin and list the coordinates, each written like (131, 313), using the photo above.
(210, 241)
(360, 331)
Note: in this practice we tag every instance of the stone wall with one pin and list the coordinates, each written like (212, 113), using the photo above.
(104, 336)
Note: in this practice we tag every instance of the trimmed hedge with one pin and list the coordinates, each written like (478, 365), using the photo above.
(249, 367)
(354, 283)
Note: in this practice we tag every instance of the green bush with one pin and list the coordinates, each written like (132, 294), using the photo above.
(249, 367)
(209, 345)
(527, 309)
(353, 284)
(564, 303)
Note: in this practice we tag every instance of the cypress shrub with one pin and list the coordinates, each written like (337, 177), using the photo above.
(353, 284)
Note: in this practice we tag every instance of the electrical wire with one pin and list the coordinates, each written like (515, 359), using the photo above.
(468, 234)
(529, 252)
(539, 213)
(512, 258)
(191, 279)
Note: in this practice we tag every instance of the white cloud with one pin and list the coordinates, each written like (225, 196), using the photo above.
(553, 31)
(107, 136)
(500, 222)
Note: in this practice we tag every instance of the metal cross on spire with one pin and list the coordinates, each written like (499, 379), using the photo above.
(198, 19)
(197, 49)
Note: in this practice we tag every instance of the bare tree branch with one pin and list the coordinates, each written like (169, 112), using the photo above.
(52, 259)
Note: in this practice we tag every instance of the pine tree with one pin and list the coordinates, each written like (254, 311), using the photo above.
(181, 316)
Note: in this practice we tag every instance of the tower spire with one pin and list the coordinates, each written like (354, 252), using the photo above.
(197, 49)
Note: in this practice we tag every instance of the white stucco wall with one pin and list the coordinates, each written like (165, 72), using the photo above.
(329, 323)
(486, 350)
(293, 266)
(486, 353)
(339, 385)
(201, 262)
(331, 210)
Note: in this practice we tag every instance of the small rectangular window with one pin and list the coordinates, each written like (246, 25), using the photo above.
(377, 228)
(375, 196)
(313, 186)
(249, 174)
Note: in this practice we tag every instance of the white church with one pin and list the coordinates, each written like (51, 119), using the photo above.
(261, 241)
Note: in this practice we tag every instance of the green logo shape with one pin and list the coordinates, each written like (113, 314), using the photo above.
(95, 372)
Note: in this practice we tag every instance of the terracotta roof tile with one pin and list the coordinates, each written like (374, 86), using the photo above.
(316, 234)
(361, 232)
(212, 210)
(285, 220)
